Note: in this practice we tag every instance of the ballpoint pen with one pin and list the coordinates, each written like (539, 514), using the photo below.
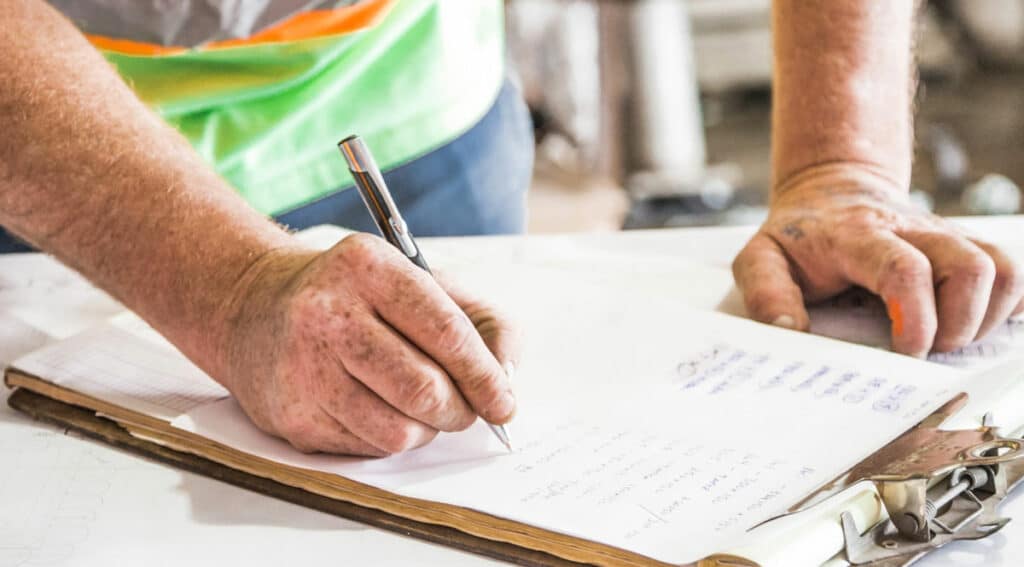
(377, 198)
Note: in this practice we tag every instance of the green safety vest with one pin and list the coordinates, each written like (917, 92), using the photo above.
(265, 96)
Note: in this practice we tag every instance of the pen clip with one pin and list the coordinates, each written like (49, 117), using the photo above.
(401, 232)
(374, 192)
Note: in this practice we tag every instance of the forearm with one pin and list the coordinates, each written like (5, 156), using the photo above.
(842, 88)
(90, 175)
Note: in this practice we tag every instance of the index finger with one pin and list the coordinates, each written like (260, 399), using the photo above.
(418, 308)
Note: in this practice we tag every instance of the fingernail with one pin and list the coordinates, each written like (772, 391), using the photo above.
(510, 370)
(784, 321)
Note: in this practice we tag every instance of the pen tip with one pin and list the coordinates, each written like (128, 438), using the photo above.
(502, 434)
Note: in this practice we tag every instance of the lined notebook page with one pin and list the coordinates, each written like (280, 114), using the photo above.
(126, 363)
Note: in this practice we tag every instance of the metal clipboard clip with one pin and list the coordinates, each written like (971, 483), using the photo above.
(937, 486)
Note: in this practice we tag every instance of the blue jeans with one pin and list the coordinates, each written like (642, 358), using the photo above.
(475, 184)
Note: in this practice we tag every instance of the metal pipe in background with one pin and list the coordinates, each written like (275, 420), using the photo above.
(668, 154)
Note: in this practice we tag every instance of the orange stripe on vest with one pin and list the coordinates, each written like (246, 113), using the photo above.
(307, 25)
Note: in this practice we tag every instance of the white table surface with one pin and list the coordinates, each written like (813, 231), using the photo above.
(70, 501)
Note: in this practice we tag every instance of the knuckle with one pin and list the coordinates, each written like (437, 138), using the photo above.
(862, 219)
(454, 333)
(359, 248)
(979, 268)
(905, 268)
(464, 421)
(427, 398)
(480, 386)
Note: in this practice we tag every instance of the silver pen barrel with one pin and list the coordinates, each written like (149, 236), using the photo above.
(374, 192)
(370, 183)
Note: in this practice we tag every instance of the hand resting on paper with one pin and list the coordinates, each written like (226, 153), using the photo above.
(836, 227)
(358, 351)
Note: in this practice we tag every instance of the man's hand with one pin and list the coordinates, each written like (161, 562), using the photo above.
(840, 226)
(358, 351)
(354, 350)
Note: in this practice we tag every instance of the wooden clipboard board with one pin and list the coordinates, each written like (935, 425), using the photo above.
(88, 424)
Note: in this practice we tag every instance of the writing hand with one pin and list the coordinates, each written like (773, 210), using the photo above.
(831, 229)
(357, 351)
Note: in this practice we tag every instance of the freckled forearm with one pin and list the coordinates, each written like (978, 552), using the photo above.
(90, 175)
(842, 87)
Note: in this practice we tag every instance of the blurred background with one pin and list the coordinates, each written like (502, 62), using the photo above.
(655, 113)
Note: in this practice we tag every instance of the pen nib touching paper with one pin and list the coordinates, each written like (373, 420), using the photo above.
(502, 434)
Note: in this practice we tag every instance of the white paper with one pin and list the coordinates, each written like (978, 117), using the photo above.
(18, 338)
(42, 301)
(54, 299)
(640, 420)
(155, 515)
(67, 501)
(124, 367)
(644, 425)
(452, 455)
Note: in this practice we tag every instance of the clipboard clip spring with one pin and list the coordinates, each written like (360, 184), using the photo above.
(963, 508)
(936, 486)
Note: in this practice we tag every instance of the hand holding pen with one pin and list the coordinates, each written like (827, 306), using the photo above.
(374, 192)
(355, 350)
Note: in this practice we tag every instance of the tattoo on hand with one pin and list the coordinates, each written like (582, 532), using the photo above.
(793, 230)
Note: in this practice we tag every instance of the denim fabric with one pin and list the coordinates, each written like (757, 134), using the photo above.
(474, 185)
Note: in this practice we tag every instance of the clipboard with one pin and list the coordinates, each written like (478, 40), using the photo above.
(936, 486)
(86, 423)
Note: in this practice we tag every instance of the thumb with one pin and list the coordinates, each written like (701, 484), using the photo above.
(763, 275)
